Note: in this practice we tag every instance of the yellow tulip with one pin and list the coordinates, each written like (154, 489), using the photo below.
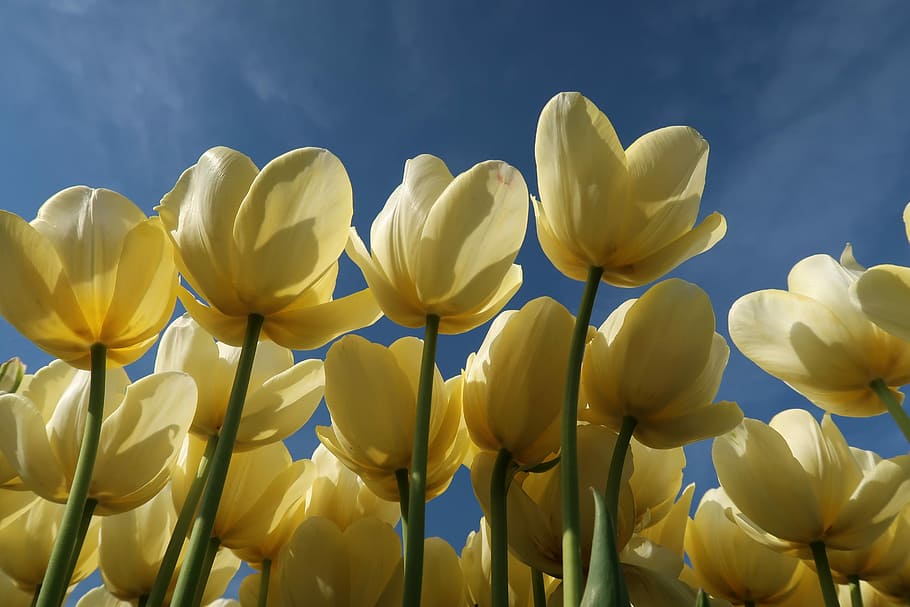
(281, 396)
(657, 359)
(515, 402)
(144, 424)
(443, 581)
(655, 482)
(11, 375)
(630, 212)
(371, 393)
(11, 595)
(90, 269)
(265, 242)
(882, 558)
(871, 597)
(535, 504)
(263, 501)
(728, 563)
(323, 566)
(799, 483)
(28, 529)
(338, 494)
(815, 337)
(444, 245)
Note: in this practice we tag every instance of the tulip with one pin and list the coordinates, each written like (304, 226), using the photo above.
(236, 228)
(815, 338)
(476, 564)
(11, 374)
(444, 245)
(443, 580)
(338, 494)
(513, 402)
(869, 596)
(371, 394)
(884, 557)
(883, 293)
(800, 486)
(728, 563)
(655, 482)
(629, 212)
(41, 427)
(659, 361)
(27, 534)
(90, 269)
(323, 566)
(11, 595)
(281, 398)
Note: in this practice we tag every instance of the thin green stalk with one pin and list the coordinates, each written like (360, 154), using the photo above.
(540, 591)
(55, 581)
(614, 477)
(829, 590)
(211, 551)
(499, 526)
(572, 585)
(894, 408)
(84, 523)
(143, 601)
(187, 512)
(264, 582)
(193, 572)
(856, 593)
(413, 564)
(401, 476)
(35, 595)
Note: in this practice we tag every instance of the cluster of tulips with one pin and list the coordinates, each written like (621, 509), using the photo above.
(573, 434)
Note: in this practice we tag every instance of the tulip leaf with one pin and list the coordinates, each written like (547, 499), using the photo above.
(606, 586)
(542, 467)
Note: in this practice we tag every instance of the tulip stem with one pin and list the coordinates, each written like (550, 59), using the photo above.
(67, 544)
(540, 591)
(211, 551)
(187, 512)
(401, 477)
(84, 523)
(617, 462)
(829, 591)
(193, 572)
(264, 582)
(571, 514)
(413, 565)
(35, 595)
(894, 408)
(503, 470)
(856, 593)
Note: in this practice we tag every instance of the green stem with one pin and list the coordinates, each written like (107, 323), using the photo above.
(614, 478)
(187, 512)
(264, 582)
(829, 590)
(401, 476)
(413, 565)
(499, 526)
(894, 408)
(55, 583)
(540, 591)
(191, 573)
(143, 601)
(856, 593)
(35, 595)
(84, 523)
(571, 515)
(211, 551)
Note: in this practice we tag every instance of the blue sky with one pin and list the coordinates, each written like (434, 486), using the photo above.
(804, 105)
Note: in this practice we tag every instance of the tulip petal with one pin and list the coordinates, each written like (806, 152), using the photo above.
(511, 282)
(878, 497)
(298, 208)
(582, 177)
(313, 327)
(754, 455)
(36, 297)
(229, 329)
(561, 256)
(199, 212)
(282, 405)
(884, 294)
(647, 269)
(141, 440)
(400, 306)
(471, 237)
(24, 442)
(694, 425)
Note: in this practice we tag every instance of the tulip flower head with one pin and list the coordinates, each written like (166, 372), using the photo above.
(816, 338)
(630, 212)
(266, 243)
(90, 269)
(797, 482)
(658, 359)
(444, 245)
